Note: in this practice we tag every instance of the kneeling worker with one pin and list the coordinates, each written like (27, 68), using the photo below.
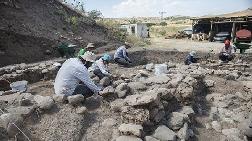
(100, 67)
(74, 71)
(227, 52)
(121, 55)
(191, 58)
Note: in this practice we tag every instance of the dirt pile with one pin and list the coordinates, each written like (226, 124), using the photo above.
(30, 30)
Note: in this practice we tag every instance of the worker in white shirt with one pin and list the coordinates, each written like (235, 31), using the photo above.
(100, 67)
(73, 77)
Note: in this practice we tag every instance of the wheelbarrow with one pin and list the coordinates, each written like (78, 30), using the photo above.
(242, 46)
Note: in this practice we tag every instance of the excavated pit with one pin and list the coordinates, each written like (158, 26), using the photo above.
(185, 87)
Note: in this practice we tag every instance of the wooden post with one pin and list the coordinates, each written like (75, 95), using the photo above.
(233, 32)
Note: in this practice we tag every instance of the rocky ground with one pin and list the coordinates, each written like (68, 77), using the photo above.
(210, 102)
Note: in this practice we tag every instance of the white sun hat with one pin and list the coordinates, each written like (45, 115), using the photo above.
(89, 56)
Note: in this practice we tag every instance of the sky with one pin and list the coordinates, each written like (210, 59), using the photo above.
(151, 8)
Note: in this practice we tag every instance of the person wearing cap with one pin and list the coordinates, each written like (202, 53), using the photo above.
(191, 58)
(121, 55)
(89, 47)
(227, 52)
(100, 67)
(73, 77)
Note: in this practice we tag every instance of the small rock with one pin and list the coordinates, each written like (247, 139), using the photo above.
(187, 110)
(110, 122)
(208, 126)
(44, 71)
(19, 86)
(105, 81)
(59, 98)
(209, 83)
(131, 129)
(75, 99)
(216, 126)
(44, 103)
(128, 138)
(81, 110)
(150, 138)
(117, 83)
(122, 90)
(164, 134)
(177, 120)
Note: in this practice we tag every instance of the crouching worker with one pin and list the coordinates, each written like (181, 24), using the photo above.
(73, 77)
(191, 58)
(89, 47)
(227, 52)
(100, 67)
(121, 55)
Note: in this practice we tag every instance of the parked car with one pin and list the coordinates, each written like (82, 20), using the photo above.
(188, 32)
(222, 36)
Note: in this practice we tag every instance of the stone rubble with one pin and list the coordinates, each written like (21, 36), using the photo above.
(144, 106)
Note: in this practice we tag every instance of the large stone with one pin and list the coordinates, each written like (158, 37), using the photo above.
(75, 99)
(21, 110)
(185, 133)
(136, 116)
(185, 91)
(176, 79)
(166, 94)
(26, 99)
(19, 86)
(105, 81)
(177, 120)
(10, 121)
(216, 126)
(122, 90)
(131, 129)
(160, 79)
(142, 99)
(108, 91)
(128, 138)
(117, 105)
(150, 138)
(110, 122)
(44, 102)
(232, 133)
(137, 86)
(163, 133)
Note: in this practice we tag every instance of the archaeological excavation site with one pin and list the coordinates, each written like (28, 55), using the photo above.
(195, 102)
(159, 94)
